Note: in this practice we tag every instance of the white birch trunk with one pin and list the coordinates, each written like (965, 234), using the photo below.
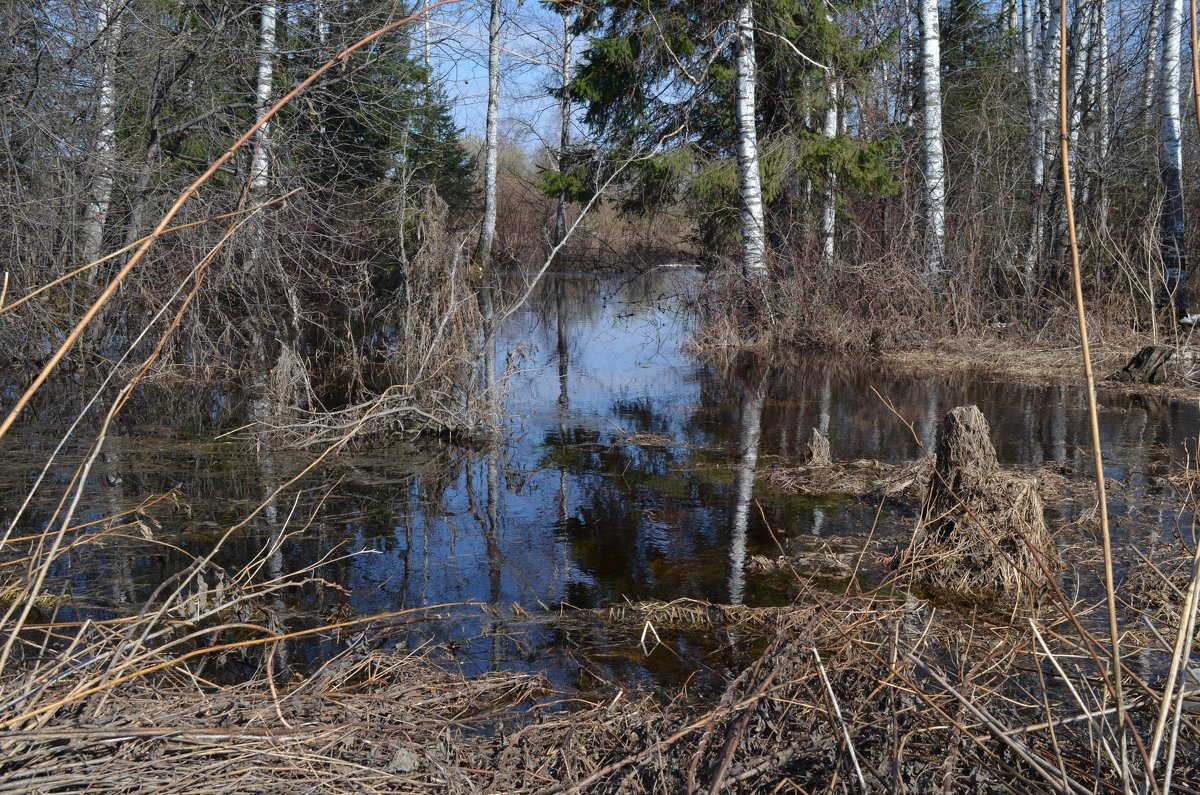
(1082, 67)
(564, 112)
(491, 144)
(1171, 162)
(754, 243)
(751, 432)
(1150, 75)
(913, 48)
(1103, 136)
(829, 201)
(323, 23)
(1048, 88)
(1045, 90)
(1081, 49)
(260, 166)
(1037, 143)
(933, 156)
(104, 155)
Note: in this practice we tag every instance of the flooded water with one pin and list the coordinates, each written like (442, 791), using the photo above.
(626, 472)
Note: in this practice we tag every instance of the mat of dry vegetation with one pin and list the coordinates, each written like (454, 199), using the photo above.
(851, 694)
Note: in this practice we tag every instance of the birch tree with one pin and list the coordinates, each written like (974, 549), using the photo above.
(754, 244)
(1104, 120)
(1037, 140)
(1171, 165)
(829, 200)
(104, 154)
(564, 112)
(1150, 73)
(933, 156)
(260, 167)
(1041, 86)
(491, 143)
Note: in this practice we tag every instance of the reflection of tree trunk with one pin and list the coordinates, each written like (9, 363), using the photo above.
(121, 575)
(564, 402)
(824, 412)
(564, 398)
(751, 427)
(929, 423)
(268, 483)
(492, 530)
(495, 558)
(1058, 427)
(491, 386)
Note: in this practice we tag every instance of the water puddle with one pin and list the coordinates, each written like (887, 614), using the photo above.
(626, 473)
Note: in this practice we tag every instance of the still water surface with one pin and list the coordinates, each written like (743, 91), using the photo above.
(625, 473)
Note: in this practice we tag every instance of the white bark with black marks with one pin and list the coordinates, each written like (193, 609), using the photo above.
(1081, 67)
(564, 112)
(933, 155)
(1150, 75)
(754, 241)
(1037, 142)
(104, 155)
(1171, 163)
(829, 200)
(491, 144)
(260, 167)
(1104, 121)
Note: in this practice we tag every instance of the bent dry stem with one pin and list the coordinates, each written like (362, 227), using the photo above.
(1113, 675)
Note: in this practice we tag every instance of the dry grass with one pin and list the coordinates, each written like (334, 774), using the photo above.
(982, 529)
(840, 700)
(865, 477)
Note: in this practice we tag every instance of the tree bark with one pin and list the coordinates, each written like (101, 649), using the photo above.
(829, 201)
(104, 155)
(933, 160)
(1104, 120)
(1150, 75)
(1171, 165)
(1037, 145)
(754, 246)
(564, 112)
(491, 145)
(260, 168)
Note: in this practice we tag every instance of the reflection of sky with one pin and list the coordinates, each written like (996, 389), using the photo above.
(629, 351)
(621, 349)
(594, 519)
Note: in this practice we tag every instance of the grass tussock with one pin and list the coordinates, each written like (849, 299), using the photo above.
(982, 529)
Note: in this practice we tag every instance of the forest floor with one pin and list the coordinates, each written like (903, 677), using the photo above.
(1027, 361)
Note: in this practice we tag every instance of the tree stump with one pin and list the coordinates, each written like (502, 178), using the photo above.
(982, 532)
(816, 451)
(1145, 366)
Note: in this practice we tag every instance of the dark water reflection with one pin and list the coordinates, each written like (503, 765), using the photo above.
(571, 507)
